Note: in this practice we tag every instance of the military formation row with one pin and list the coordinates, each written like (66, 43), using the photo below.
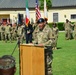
(8, 32)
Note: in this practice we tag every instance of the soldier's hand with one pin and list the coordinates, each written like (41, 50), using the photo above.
(40, 45)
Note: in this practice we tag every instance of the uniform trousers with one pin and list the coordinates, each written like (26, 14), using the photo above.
(48, 60)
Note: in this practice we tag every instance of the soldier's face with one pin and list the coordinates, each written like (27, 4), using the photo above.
(41, 25)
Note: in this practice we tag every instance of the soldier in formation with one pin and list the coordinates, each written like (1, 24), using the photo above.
(19, 32)
(2, 27)
(14, 32)
(68, 30)
(74, 30)
(55, 31)
(7, 32)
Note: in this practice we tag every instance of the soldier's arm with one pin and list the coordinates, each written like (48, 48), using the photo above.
(71, 24)
(74, 24)
(50, 39)
(35, 41)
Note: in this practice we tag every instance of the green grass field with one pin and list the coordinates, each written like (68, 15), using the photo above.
(64, 59)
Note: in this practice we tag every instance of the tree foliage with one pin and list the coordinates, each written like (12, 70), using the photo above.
(48, 3)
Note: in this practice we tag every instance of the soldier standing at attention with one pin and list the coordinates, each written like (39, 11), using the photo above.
(10, 35)
(19, 32)
(67, 27)
(55, 31)
(14, 31)
(2, 32)
(74, 30)
(7, 32)
(44, 38)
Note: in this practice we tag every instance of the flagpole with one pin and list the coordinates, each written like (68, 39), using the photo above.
(45, 10)
(26, 5)
(27, 17)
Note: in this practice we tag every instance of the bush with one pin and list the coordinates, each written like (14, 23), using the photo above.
(60, 26)
(50, 24)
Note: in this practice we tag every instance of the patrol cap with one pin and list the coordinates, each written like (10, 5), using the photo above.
(40, 20)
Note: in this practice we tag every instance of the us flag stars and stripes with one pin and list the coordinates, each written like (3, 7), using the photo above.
(38, 14)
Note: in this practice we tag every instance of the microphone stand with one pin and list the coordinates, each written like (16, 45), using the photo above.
(18, 43)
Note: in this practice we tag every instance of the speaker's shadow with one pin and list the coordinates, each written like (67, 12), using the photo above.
(59, 48)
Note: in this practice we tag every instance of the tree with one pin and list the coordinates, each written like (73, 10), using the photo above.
(48, 3)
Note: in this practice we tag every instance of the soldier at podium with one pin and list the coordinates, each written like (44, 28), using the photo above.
(43, 37)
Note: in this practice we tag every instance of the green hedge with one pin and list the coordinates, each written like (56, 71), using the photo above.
(60, 26)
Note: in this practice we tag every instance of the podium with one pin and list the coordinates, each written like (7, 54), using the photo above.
(32, 60)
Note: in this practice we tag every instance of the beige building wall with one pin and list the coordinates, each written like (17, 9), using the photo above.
(61, 14)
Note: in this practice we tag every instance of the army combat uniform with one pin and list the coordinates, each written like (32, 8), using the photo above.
(75, 30)
(68, 31)
(45, 37)
(7, 33)
(14, 32)
(2, 32)
(19, 32)
(55, 31)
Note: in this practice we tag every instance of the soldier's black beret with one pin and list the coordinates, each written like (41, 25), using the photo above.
(40, 20)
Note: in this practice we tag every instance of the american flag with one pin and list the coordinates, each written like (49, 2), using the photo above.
(38, 15)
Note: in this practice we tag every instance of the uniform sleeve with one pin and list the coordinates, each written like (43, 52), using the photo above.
(50, 39)
(35, 40)
(74, 24)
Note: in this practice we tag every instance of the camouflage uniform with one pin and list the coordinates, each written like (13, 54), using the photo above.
(34, 32)
(2, 32)
(55, 34)
(67, 27)
(75, 30)
(14, 32)
(45, 37)
(71, 27)
(7, 33)
(10, 30)
(23, 33)
(19, 32)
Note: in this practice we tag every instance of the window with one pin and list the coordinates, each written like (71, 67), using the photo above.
(73, 16)
(55, 17)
